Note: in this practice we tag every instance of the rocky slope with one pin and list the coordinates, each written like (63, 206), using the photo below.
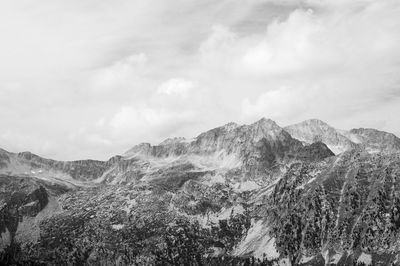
(375, 141)
(314, 130)
(345, 213)
(234, 195)
(24, 203)
(73, 173)
(372, 140)
(257, 152)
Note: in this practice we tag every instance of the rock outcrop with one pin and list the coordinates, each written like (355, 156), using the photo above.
(371, 140)
(253, 194)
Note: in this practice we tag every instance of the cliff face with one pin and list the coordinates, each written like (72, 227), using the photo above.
(338, 211)
(376, 141)
(24, 203)
(234, 195)
(315, 130)
(371, 140)
(71, 174)
(258, 150)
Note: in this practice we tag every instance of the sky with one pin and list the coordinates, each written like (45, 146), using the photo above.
(92, 78)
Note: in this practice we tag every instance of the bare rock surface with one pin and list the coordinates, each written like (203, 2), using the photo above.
(255, 194)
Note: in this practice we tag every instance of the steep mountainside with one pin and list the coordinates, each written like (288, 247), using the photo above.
(338, 141)
(314, 130)
(347, 211)
(256, 151)
(234, 195)
(72, 173)
(374, 140)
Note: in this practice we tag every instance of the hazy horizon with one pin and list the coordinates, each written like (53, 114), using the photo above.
(187, 138)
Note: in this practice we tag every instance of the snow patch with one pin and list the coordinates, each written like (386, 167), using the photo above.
(129, 204)
(308, 182)
(352, 137)
(217, 251)
(215, 161)
(184, 140)
(311, 180)
(258, 241)
(246, 186)
(217, 179)
(365, 258)
(224, 214)
(372, 150)
(337, 149)
(210, 180)
(335, 259)
(117, 226)
(5, 239)
(305, 259)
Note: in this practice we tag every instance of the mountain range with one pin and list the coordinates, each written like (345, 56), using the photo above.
(258, 194)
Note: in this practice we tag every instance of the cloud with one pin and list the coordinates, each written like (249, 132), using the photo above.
(91, 79)
(220, 39)
(120, 74)
(346, 50)
(147, 123)
(309, 40)
(287, 47)
(278, 104)
(176, 86)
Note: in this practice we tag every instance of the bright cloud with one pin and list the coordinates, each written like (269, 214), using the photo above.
(278, 104)
(120, 74)
(146, 123)
(177, 86)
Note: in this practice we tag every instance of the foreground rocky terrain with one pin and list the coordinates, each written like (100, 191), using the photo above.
(258, 194)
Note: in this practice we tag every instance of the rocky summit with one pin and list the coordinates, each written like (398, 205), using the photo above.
(258, 194)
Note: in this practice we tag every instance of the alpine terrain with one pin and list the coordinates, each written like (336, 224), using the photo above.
(258, 194)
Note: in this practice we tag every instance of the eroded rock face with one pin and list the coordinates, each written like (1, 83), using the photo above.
(376, 141)
(4, 158)
(315, 130)
(346, 207)
(235, 195)
(257, 149)
(20, 198)
(79, 170)
(371, 140)
(316, 151)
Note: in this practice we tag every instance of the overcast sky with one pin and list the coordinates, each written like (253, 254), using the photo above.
(92, 78)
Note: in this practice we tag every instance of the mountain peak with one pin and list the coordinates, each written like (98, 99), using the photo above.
(172, 141)
(230, 126)
(266, 122)
(313, 130)
(314, 121)
(3, 151)
(141, 148)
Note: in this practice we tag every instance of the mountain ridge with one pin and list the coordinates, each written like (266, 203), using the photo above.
(231, 145)
(342, 140)
(233, 195)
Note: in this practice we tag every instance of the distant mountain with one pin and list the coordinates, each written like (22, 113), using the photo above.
(71, 174)
(231, 138)
(253, 194)
(314, 130)
(255, 149)
(338, 141)
(374, 141)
